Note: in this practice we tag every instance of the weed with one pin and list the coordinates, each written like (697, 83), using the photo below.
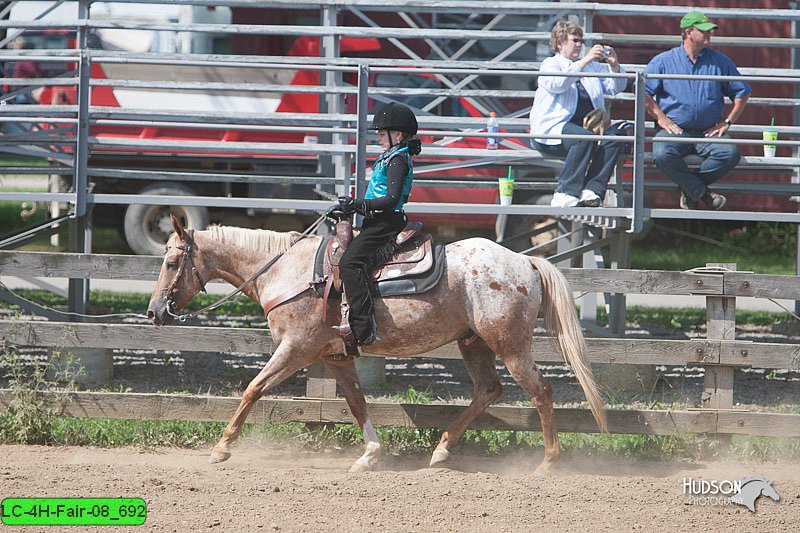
(30, 417)
(412, 395)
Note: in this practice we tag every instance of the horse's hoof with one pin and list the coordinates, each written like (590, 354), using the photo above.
(359, 467)
(440, 455)
(218, 456)
(546, 468)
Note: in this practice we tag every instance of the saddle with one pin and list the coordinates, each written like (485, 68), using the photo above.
(413, 255)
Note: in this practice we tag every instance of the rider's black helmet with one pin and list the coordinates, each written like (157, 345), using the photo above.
(395, 117)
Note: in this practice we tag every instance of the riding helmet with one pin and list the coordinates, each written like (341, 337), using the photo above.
(395, 117)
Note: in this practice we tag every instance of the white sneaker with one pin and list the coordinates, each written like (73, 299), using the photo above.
(590, 198)
(563, 200)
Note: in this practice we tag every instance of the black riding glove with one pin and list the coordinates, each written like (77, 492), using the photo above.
(349, 205)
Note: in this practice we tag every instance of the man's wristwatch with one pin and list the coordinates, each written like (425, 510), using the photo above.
(728, 121)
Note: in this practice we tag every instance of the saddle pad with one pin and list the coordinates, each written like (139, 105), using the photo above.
(413, 284)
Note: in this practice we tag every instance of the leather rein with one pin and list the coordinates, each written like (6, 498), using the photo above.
(187, 257)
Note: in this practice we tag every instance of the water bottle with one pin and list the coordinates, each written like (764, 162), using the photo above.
(492, 126)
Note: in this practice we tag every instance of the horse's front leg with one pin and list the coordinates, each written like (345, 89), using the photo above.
(344, 370)
(284, 362)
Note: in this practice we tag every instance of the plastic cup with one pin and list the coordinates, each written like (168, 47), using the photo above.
(506, 187)
(769, 149)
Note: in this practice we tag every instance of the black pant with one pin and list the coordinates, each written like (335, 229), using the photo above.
(373, 246)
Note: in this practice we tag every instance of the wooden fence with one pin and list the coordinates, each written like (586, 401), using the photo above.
(719, 353)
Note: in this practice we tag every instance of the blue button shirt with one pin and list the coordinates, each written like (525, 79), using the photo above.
(693, 104)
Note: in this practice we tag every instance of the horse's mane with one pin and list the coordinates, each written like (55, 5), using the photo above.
(270, 242)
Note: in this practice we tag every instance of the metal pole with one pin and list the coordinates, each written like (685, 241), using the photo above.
(361, 132)
(80, 230)
(638, 155)
(328, 49)
(796, 120)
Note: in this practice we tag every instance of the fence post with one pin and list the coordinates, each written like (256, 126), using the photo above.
(720, 325)
(321, 383)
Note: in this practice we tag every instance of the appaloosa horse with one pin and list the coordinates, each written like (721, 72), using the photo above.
(488, 300)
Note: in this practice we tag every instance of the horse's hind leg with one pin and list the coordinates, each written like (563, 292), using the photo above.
(479, 360)
(525, 372)
(283, 363)
(347, 378)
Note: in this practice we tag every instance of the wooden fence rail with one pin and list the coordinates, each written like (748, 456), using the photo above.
(718, 355)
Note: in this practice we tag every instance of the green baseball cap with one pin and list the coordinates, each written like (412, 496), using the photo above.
(698, 20)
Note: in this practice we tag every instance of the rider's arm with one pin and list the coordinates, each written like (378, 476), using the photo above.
(395, 177)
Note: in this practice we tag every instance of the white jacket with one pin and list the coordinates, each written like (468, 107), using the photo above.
(557, 96)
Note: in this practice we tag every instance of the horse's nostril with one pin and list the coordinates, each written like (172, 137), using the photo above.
(151, 314)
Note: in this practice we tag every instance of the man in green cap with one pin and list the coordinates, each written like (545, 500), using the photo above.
(694, 108)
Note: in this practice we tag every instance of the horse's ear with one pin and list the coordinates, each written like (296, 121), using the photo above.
(176, 225)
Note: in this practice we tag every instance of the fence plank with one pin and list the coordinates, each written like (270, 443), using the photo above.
(642, 281)
(112, 266)
(744, 284)
(132, 336)
(249, 340)
(70, 265)
(763, 424)
(760, 354)
(135, 406)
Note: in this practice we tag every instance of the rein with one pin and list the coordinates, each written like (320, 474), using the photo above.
(187, 257)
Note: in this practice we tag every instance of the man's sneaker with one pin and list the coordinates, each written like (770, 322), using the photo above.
(714, 201)
(564, 200)
(590, 199)
(688, 203)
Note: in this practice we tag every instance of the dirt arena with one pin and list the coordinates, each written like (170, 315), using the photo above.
(259, 489)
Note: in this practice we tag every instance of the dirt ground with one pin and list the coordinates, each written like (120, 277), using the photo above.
(264, 486)
(260, 489)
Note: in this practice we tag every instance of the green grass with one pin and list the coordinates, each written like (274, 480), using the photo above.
(147, 434)
(764, 248)
(21, 161)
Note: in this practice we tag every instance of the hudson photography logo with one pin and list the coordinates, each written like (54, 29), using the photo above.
(713, 492)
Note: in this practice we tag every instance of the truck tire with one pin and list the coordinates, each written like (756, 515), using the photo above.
(147, 227)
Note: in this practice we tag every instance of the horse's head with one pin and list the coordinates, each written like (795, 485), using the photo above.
(179, 280)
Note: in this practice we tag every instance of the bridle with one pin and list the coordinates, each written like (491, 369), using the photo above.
(187, 257)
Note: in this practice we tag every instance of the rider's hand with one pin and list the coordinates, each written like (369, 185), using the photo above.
(347, 204)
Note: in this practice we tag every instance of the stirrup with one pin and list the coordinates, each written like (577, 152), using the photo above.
(351, 348)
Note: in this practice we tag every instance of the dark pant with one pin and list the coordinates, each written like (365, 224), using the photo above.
(718, 160)
(373, 246)
(587, 164)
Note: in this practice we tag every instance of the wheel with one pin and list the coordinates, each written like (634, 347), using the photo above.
(147, 227)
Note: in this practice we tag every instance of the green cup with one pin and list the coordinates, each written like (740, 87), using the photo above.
(506, 188)
(770, 149)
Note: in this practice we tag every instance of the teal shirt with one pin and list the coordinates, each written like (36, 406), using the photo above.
(378, 183)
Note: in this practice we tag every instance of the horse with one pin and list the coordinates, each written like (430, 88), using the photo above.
(487, 300)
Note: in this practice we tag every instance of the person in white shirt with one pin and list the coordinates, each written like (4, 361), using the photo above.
(559, 107)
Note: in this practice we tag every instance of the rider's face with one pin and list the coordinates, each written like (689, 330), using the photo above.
(384, 136)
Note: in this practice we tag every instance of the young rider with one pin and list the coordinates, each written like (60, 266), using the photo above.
(382, 208)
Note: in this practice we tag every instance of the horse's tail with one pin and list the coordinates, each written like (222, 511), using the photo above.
(561, 321)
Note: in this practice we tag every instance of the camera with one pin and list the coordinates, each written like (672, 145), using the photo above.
(606, 51)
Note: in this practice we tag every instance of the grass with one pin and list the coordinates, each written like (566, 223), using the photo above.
(764, 248)
(147, 434)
